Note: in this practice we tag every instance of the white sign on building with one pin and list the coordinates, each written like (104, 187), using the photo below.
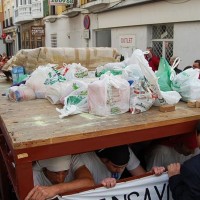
(127, 40)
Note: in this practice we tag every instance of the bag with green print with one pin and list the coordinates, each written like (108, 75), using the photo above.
(77, 101)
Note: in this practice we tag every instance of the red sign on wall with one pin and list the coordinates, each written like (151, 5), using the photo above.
(86, 22)
(3, 36)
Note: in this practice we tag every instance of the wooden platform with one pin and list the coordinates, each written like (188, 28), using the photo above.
(32, 130)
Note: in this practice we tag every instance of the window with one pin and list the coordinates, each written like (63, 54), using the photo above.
(162, 40)
(54, 40)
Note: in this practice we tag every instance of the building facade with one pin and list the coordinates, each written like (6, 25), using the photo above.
(171, 27)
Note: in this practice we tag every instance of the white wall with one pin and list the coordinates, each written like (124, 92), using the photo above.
(151, 13)
(136, 21)
(59, 27)
(140, 33)
(69, 32)
(187, 42)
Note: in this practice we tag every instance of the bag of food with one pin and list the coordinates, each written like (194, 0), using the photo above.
(21, 93)
(138, 58)
(108, 96)
(76, 101)
(163, 74)
(141, 96)
(187, 84)
(37, 80)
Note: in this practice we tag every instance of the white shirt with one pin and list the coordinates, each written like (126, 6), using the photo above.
(162, 155)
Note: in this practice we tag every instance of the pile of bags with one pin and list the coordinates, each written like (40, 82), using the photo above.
(186, 83)
(118, 87)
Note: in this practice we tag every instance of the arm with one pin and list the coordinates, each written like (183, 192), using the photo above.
(178, 188)
(137, 171)
(83, 178)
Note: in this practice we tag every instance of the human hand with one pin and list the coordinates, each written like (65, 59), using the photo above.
(173, 169)
(41, 193)
(109, 182)
(158, 170)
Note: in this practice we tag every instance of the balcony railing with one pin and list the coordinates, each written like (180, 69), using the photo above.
(37, 9)
(28, 12)
(95, 5)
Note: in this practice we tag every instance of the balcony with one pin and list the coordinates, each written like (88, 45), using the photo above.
(28, 12)
(73, 12)
(96, 5)
(74, 9)
(23, 14)
(37, 10)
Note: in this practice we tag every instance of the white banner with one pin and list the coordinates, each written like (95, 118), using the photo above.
(147, 188)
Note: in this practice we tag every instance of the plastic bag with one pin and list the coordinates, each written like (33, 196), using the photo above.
(163, 74)
(72, 71)
(55, 92)
(108, 96)
(187, 84)
(171, 97)
(18, 74)
(138, 58)
(141, 97)
(38, 78)
(21, 93)
(77, 101)
(132, 72)
(114, 68)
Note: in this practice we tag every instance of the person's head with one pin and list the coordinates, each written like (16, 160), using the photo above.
(187, 67)
(56, 169)
(150, 54)
(196, 64)
(115, 158)
(186, 144)
(172, 59)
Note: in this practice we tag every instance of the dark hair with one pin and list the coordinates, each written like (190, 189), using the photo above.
(119, 155)
(198, 61)
(150, 49)
(188, 67)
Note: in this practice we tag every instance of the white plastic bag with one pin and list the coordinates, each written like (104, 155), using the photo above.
(132, 72)
(141, 97)
(187, 84)
(138, 58)
(38, 78)
(21, 93)
(72, 71)
(171, 98)
(56, 92)
(108, 96)
(76, 101)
